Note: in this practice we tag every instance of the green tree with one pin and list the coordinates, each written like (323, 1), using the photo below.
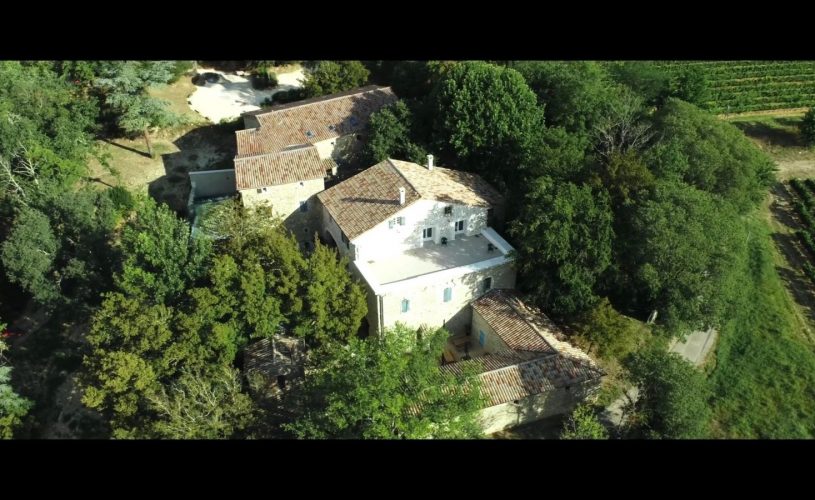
(390, 136)
(672, 395)
(13, 407)
(583, 424)
(610, 334)
(484, 118)
(687, 243)
(626, 178)
(202, 405)
(124, 86)
(335, 302)
(563, 241)
(160, 259)
(709, 154)
(689, 84)
(573, 94)
(330, 77)
(807, 127)
(388, 388)
(29, 253)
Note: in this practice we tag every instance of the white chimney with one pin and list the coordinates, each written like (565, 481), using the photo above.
(430, 162)
(401, 196)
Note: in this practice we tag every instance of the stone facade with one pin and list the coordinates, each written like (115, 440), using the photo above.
(535, 407)
(492, 341)
(285, 201)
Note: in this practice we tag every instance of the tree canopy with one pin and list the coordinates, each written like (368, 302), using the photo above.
(330, 77)
(672, 395)
(388, 388)
(563, 239)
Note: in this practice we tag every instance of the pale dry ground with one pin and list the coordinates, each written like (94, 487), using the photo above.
(233, 95)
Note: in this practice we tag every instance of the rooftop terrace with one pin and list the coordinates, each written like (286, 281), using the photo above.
(433, 257)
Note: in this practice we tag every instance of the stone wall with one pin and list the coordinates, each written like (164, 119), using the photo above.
(285, 202)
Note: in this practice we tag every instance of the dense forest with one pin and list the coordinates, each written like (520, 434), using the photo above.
(625, 199)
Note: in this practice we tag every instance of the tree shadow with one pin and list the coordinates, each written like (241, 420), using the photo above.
(210, 147)
(772, 135)
(126, 148)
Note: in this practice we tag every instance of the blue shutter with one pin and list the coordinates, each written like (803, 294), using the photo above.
(481, 338)
(448, 294)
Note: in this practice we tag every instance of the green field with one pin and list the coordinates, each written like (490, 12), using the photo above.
(764, 373)
(744, 86)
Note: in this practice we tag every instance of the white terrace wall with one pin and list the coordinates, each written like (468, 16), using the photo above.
(388, 238)
(426, 298)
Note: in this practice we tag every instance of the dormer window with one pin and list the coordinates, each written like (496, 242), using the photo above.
(309, 134)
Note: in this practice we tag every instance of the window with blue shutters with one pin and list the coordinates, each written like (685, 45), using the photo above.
(482, 339)
(448, 294)
(405, 305)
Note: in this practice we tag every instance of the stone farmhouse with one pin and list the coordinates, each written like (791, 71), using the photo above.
(285, 152)
(419, 239)
(423, 241)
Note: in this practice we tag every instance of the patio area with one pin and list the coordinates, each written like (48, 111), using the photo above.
(461, 348)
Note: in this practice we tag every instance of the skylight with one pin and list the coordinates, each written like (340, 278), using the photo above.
(309, 134)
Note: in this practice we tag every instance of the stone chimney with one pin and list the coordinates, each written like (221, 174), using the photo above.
(430, 162)
(401, 196)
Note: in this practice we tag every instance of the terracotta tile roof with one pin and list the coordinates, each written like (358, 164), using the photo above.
(509, 376)
(370, 197)
(448, 185)
(539, 358)
(293, 165)
(312, 120)
(359, 203)
(523, 327)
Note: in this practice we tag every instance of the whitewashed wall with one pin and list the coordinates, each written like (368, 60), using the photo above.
(383, 240)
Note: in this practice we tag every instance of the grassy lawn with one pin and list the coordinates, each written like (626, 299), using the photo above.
(196, 145)
(777, 135)
(764, 373)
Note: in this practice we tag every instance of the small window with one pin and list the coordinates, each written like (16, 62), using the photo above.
(260, 190)
(459, 226)
(309, 134)
(427, 233)
(405, 305)
(448, 294)
(303, 206)
(391, 224)
(448, 210)
(301, 183)
(482, 338)
(401, 221)
(486, 284)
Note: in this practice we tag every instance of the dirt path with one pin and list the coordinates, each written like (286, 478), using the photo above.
(792, 169)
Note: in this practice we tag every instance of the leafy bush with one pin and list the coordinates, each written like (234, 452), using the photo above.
(263, 78)
(122, 198)
(181, 68)
(610, 334)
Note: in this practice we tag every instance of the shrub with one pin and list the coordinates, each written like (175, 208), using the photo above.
(610, 333)
(263, 77)
(807, 127)
(181, 68)
(285, 96)
(122, 198)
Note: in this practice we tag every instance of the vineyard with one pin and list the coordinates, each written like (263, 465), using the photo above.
(743, 86)
(804, 206)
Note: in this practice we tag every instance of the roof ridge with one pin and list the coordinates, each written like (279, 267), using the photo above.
(393, 165)
(323, 99)
(297, 147)
(530, 323)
